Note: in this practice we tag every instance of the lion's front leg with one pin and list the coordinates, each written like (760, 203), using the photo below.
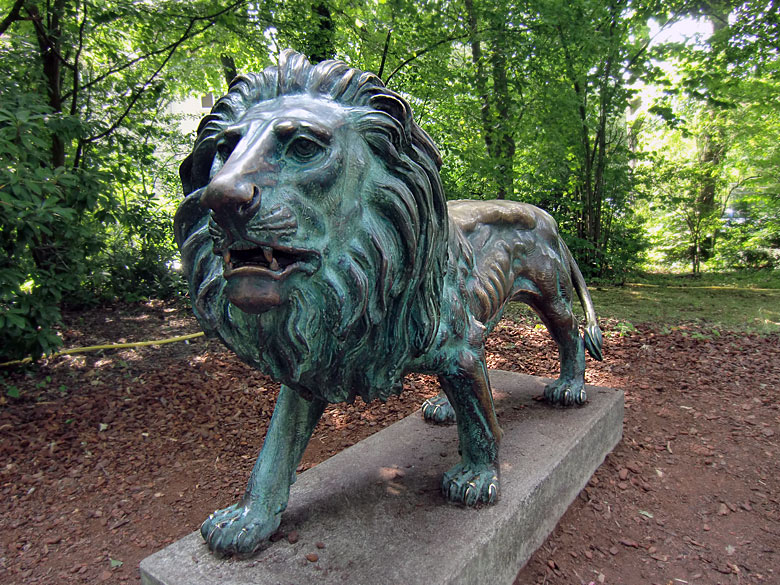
(475, 478)
(438, 409)
(243, 527)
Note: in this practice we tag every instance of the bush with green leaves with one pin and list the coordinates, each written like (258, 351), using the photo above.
(136, 260)
(750, 235)
(42, 237)
(72, 236)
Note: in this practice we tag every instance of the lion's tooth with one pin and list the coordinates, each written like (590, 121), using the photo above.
(227, 257)
(274, 265)
(268, 253)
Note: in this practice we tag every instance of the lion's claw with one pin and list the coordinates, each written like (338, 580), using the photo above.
(565, 393)
(469, 485)
(238, 529)
(438, 410)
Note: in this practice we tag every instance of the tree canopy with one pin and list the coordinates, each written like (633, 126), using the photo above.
(646, 153)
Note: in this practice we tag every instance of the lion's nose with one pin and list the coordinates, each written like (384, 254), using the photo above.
(234, 201)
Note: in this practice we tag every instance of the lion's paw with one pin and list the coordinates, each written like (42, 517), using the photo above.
(565, 393)
(471, 485)
(238, 529)
(438, 410)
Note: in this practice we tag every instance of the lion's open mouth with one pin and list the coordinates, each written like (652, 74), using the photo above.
(274, 261)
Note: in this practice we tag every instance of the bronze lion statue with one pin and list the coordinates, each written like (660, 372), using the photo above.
(320, 248)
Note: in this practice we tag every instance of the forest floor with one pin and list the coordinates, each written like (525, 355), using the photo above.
(108, 457)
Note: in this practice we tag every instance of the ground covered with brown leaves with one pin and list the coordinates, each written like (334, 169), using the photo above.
(107, 457)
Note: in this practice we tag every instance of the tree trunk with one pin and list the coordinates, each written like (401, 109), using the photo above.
(44, 249)
(322, 37)
(48, 34)
(587, 222)
(593, 137)
(480, 80)
(504, 139)
(712, 145)
(496, 125)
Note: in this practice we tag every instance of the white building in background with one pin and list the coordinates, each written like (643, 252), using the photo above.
(191, 110)
(189, 113)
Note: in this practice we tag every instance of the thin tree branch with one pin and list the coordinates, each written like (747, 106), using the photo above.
(76, 59)
(12, 17)
(422, 52)
(384, 53)
(139, 92)
(161, 50)
(736, 186)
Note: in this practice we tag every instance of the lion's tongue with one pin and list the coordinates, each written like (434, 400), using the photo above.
(254, 294)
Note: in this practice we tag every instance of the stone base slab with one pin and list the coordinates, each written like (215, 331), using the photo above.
(378, 511)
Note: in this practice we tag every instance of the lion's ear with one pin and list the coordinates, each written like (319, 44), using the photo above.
(393, 106)
(189, 214)
(185, 174)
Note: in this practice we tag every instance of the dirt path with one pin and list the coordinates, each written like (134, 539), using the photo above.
(109, 457)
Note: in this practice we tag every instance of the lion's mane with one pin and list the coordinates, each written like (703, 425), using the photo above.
(382, 300)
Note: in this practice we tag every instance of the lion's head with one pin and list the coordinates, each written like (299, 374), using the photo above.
(314, 229)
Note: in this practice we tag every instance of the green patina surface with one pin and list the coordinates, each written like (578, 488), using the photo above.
(320, 248)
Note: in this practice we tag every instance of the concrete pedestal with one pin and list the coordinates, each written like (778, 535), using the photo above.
(377, 507)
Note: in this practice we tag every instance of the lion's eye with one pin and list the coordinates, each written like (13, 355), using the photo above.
(304, 149)
(227, 142)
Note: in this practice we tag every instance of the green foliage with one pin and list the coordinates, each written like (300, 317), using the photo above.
(66, 235)
(714, 137)
(134, 262)
(82, 137)
(623, 328)
(526, 101)
(689, 226)
(750, 235)
(40, 213)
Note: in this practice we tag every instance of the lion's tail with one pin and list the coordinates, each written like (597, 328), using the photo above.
(592, 336)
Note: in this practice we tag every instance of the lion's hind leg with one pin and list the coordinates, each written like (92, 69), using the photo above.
(475, 479)
(569, 388)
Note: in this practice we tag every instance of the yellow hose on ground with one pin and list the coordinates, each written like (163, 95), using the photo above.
(89, 348)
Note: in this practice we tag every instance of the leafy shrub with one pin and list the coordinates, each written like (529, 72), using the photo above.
(41, 235)
(136, 260)
(71, 236)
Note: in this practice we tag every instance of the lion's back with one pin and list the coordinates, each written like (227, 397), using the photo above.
(483, 222)
(505, 241)
(470, 214)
